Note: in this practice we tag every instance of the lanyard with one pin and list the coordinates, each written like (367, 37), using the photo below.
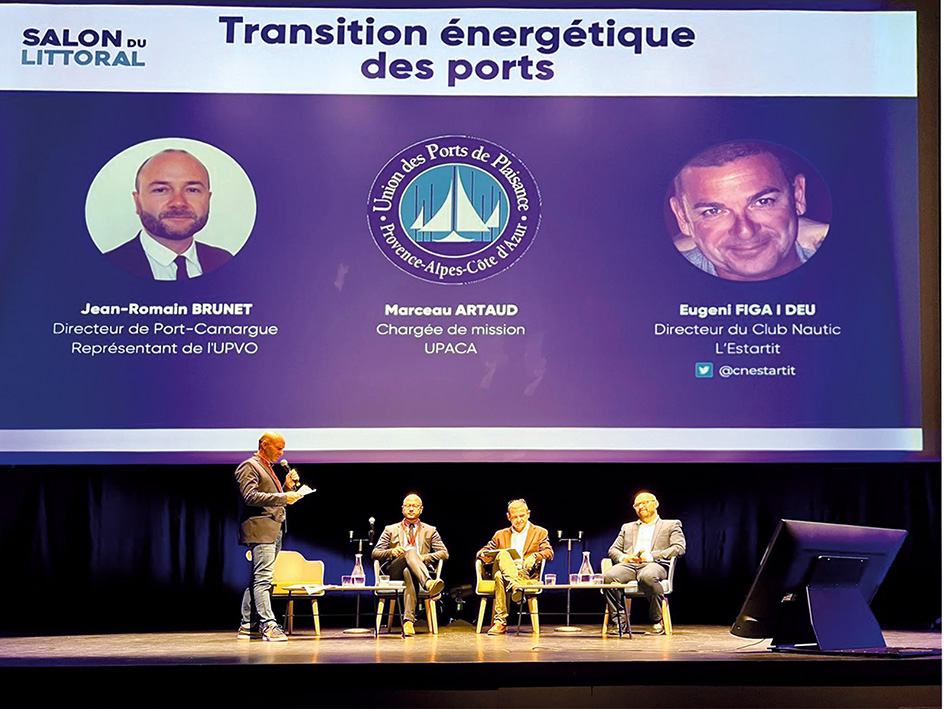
(272, 474)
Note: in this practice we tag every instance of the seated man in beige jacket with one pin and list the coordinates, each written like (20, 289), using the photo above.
(512, 575)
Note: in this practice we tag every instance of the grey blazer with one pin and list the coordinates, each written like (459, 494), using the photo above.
(668, 540)
(262, 513)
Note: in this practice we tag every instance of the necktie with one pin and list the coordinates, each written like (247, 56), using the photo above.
(181, 268)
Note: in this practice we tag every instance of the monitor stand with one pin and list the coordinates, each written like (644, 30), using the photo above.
(832, 615)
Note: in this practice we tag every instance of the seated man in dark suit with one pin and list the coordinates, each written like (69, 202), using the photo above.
(172, 199)
(408, 550)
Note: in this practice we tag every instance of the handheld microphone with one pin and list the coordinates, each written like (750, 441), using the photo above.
(289, 469)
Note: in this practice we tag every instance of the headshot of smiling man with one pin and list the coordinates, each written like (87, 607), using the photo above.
(172, 200)
(739, 208)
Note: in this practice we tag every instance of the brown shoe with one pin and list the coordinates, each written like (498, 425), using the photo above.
(497, 629)
(518, 593)
(409, 631)
(434, 587)
(655, 629)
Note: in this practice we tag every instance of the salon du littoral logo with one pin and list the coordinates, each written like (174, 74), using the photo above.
(454, 209)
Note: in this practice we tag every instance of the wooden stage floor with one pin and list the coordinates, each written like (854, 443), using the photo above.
(698, 666)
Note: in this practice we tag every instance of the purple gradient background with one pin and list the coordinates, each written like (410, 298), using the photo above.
(601, 271)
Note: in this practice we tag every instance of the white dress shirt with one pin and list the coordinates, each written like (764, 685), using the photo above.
(644, 543)
(162, 258)
(518, 539)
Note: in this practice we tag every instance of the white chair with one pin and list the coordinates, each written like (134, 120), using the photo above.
(633, 591)
(391, 594)
(485, 587)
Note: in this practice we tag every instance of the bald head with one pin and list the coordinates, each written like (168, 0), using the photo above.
(412, 506)
(271, 446)
(171, 156)
(645, 505)
(172, 197)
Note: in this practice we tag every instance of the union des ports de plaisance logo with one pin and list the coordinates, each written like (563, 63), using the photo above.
(454, 209)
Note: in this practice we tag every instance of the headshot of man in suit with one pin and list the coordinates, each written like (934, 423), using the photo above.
(172, 199)
(740, 211)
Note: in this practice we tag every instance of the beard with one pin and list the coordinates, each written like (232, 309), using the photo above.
(155, 225)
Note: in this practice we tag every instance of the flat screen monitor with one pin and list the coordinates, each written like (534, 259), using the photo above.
(814, 585)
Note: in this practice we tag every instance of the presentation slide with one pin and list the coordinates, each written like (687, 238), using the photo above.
(458, 234)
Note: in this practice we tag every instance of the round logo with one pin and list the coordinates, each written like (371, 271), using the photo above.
(454, 209)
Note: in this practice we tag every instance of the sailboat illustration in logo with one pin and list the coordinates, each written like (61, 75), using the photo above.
(454, 210)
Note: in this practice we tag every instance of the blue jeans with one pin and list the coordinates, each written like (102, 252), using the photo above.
(256, 596)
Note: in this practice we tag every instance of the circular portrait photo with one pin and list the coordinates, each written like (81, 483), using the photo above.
(148, 209)
(748, 210)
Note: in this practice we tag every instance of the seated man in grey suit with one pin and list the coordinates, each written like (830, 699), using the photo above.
(641, 553)
(408, 550)
(172, 199)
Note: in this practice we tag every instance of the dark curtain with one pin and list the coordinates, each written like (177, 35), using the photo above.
(106, 549)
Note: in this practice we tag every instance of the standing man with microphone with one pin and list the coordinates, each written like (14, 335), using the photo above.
(262, 523)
